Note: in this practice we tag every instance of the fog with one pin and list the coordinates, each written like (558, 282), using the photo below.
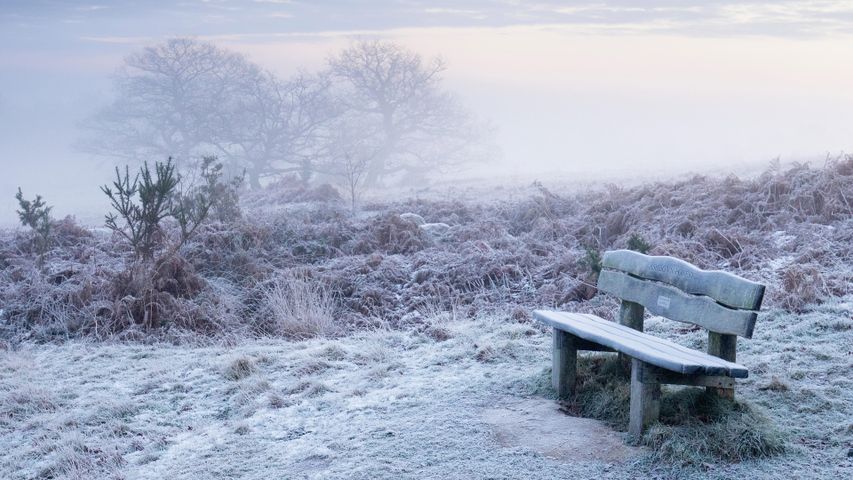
(573, 89)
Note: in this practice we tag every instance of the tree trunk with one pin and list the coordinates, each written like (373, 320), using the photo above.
(254, 179)
(306, 172)
(375, 170)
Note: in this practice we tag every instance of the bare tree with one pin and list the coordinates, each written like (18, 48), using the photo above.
(398, 94)
(350, 147)
(276, 126)
(169, 98)
(186, 99)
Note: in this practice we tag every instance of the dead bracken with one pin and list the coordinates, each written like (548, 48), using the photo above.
(299, 252)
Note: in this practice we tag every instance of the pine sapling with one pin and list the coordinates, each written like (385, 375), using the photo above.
(638, 244)
(140, 204)
(36, 215)
(224, 195)
(592, 260)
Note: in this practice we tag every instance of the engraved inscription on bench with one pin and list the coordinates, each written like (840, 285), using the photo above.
(674, 271)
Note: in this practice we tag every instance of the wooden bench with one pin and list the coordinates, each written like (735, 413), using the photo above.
(724, 304)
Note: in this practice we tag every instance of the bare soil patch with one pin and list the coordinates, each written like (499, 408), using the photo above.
(539, 424)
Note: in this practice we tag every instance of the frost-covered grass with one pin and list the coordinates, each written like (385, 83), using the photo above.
(302, 254)
(695, 427)
(381, 404)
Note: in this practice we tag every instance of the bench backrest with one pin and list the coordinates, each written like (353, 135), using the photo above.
(672, 288)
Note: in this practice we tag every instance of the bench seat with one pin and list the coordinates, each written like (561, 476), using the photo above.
(647, 348)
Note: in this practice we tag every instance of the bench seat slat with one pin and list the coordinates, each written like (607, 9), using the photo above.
(658, 343)
(650, 349)
(637, 346)
(625, 341)
(630, 336)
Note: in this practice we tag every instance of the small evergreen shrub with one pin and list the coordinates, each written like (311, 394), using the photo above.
(592, 260)
(224, 195)
(153, 287)
(638, 244)
(36, 215)
(140, 205)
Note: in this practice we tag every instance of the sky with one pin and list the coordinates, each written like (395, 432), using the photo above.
(573, 88)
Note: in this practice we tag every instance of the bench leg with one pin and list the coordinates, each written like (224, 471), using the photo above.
(564, 356)
(630, 315)
(645, 401)
(728, 393)
(725, 347)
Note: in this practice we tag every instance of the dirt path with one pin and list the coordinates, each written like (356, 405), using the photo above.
(538, 424)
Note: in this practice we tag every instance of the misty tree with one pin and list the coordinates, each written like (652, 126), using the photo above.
(169, 101)
(397, 95)
(276, 126)
(186, 99)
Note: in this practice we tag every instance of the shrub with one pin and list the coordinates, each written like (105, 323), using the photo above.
(224, 196)
(190, 209)
(149, 291)
(36, 215)
(638, 244)
(142, 204)
(592, 260)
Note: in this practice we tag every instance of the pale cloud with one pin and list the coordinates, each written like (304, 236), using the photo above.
(453, 11)
(598, 8)
(786, 18)
(118, 40)
(90, 8)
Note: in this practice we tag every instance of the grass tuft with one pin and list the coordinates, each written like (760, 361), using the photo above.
(299, 307)
(695, 427)
(775, 385)
(603, 391)
(240, 368)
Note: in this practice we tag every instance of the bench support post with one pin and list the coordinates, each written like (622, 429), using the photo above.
(564, 367)
(645, 400)
(722, 346)
(630, 315)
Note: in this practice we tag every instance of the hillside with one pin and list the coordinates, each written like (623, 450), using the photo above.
(790, 229)
(305, 341)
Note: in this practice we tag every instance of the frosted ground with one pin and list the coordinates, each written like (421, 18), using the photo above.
(382, 404)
